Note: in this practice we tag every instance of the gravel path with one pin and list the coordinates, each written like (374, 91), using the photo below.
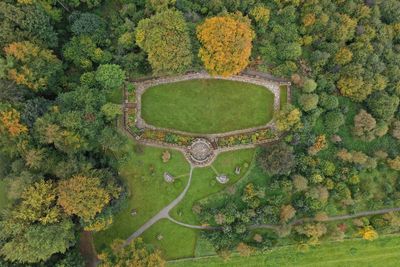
(163, 214)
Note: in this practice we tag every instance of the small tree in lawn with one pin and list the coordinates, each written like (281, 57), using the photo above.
(226, 44)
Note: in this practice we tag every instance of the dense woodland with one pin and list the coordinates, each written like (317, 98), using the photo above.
(63, 65)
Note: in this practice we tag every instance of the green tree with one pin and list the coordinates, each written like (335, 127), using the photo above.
(288, 118)
(83, 51)
(309, 86)
(25, 22)
(110, 76)
(32, 66)
(277, 158)
(36, 242)
(165, 39)
(308, 101)
(38, 204)
(382, 105)
(333, 120)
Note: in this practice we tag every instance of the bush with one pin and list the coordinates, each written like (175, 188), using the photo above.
(333, 120)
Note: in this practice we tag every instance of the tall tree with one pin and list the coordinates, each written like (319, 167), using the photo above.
(165, 38)
(35, 67)
(82, 196)
(226, 44)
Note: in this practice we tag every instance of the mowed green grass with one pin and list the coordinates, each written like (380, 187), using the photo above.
(3, 195)
(177, 241)
(383, 252)
(205, 184)
(142, 172)
(207, 105)
(283, 96)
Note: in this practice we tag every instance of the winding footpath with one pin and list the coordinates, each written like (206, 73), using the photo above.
(163, 214)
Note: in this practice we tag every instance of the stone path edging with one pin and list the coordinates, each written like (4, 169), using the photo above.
(142, 86)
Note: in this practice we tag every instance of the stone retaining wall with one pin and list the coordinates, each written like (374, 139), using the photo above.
(142, 86)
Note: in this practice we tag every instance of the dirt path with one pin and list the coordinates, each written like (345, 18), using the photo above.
(86, 247)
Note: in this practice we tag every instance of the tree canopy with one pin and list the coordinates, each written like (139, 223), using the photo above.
(165, 38)
(226, 44)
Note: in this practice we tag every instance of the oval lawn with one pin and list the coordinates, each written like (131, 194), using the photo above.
(207, 105)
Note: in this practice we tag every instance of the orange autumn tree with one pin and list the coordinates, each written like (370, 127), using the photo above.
(10, 122)
(30, 65)
(226, 44)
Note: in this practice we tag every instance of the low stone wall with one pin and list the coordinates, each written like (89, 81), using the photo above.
(213, 139)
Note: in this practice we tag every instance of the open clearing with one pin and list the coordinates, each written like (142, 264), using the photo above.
(355, 253)
(207, 105)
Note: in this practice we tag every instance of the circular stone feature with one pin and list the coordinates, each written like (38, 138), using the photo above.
(200, 151)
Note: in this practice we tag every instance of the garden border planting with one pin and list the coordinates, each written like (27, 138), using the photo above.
(219, 142)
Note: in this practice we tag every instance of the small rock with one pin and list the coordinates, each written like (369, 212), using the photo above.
(168, 177)
(222, 178)
(160, 237)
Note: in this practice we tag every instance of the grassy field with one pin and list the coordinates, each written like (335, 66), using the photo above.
(383, 252)
(283, 96)
(148, 192)
(207, 106)
(205, 184)
(3, 196)
(177, 241)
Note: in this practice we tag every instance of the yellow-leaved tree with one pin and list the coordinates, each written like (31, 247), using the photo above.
(82, 196)
(226, 44)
